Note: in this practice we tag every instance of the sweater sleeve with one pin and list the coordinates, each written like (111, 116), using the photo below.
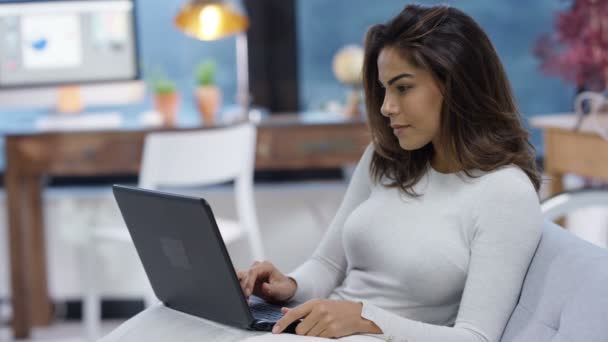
(326, 269)
(507, 230)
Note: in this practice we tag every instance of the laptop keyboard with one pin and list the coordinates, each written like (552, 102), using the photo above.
(264, 311)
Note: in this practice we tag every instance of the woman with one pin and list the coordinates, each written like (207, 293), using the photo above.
(441, 218)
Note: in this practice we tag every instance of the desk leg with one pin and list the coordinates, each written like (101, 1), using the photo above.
(19, 282)
(557, 186)
(40, 304)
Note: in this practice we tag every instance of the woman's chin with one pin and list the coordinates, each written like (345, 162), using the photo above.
(411, 145)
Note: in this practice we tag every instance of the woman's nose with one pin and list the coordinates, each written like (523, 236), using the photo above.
(388, 107)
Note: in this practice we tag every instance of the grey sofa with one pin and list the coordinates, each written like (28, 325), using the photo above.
(565, 293)
(564, 299)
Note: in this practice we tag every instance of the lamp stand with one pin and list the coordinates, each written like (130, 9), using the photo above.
(243, 98)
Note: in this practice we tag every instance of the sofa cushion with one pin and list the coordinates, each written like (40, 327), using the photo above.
(565, 292)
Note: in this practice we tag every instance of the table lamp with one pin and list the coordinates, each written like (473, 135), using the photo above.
(215, 19)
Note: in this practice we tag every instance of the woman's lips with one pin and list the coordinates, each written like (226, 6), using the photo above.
(399, 129)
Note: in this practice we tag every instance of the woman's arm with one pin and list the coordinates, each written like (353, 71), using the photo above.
(326, 269)
(507, 231)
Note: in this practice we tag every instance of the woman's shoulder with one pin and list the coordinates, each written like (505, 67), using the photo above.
(508, 197)
(369, 151)
(509, 180)
(511, 174)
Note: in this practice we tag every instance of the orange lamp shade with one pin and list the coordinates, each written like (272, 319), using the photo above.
(210, 19)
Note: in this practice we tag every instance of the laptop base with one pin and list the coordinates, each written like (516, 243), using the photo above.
(259, 325)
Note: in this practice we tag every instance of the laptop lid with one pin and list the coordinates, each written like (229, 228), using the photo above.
(183, 254)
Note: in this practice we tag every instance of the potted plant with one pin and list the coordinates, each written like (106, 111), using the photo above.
(576, 52)
(208, 96)
(166, 98)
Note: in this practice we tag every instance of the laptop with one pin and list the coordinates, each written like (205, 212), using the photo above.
(185, 259)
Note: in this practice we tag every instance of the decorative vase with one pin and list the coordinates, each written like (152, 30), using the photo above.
(593, 107)
(69, 100)
(167, 104)
(208, 102)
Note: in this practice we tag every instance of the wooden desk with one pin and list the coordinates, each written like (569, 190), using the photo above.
(282, 143)
(583, 152)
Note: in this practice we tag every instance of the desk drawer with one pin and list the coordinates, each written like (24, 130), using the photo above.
(310, 147)
(83, 154)
(583, 154)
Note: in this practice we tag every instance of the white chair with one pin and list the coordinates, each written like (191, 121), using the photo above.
(568, 202)
(563, 203)
(182, 159)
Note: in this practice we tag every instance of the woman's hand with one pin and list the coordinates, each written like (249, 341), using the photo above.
(267, 282)
(327, 318)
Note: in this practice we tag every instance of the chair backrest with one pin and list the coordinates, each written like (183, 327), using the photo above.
(565, 292)
(201, 157)
(206, 157)
(566, 202)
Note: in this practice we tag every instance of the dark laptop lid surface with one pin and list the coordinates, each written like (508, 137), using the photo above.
(183, 254)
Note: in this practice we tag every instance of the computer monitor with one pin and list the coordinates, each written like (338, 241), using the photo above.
(47, 44)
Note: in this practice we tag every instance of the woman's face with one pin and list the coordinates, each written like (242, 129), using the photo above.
(412, 101)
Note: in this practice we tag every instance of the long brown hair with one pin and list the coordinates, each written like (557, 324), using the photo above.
(480, 126)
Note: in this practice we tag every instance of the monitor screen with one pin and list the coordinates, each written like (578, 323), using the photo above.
(46, 43)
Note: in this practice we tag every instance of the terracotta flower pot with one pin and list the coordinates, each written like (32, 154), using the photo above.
(167, 104)
(208, 102)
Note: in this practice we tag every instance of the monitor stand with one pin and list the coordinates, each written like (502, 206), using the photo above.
(82, 121)
(69, 114)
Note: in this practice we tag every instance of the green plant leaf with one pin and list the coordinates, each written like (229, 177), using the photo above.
(164, 86)
(205, 73)
(158, 80)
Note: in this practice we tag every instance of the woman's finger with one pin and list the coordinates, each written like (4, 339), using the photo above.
(255, 276)
(268, 290)
(327, 333)
(318, 329)
(293, 315)
(242, 277)
(252, 277)
(310, 322)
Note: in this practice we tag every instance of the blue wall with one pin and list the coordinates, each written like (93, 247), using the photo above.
(162, 44)
(324, 26)
(513, 26)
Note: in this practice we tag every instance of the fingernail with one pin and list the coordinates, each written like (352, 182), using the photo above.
(248, 292)
(275, 329)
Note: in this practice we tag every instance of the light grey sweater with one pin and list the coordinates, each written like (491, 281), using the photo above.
(447, 266)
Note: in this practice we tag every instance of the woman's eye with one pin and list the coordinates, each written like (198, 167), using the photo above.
(403, 89)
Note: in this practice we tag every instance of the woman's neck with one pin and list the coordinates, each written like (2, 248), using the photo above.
(442, 164)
